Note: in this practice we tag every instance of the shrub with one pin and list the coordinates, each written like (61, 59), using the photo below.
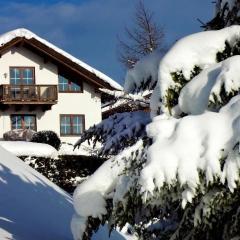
(48, 137)
(67, 171)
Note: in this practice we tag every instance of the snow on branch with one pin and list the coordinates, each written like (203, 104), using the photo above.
(143, 77)
(183, 147)
(188, 57)
(212, 88)
(126, 96)
(117, 132)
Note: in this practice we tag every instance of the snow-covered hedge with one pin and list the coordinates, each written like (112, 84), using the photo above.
(30, 149)
(65, 171)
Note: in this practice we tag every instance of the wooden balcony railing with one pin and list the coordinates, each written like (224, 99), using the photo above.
(32, 94)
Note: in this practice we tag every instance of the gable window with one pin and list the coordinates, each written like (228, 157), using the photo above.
(71, 124)
(22, 75)
(65, 85)
(23, 122)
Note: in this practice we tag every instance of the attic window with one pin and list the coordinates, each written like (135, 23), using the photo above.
(66, 85)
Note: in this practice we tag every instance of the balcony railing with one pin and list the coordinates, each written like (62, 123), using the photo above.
(39, 94)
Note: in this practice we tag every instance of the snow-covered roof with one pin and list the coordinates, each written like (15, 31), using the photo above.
(24, 33)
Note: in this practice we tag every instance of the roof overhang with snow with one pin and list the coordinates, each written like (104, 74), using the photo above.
(71, 65)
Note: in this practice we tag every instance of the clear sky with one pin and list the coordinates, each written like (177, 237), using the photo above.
(88, 29)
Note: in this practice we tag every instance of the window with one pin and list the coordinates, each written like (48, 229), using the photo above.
(65, 85)
(22, 75)
(23, 122)
(72, 124)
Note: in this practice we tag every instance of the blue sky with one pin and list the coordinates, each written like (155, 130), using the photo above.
(88, 29)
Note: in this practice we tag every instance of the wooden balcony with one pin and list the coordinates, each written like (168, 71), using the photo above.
(28, 94)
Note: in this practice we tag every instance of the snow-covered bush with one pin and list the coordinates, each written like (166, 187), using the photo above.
(181, 181)
(48, 137)
(30, 149)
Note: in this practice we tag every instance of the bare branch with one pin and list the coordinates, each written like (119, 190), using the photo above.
(145, 37)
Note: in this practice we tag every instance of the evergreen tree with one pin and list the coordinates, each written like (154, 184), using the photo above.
(180, 180)
(226, 14)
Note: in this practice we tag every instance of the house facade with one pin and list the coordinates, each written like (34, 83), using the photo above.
(44, 88)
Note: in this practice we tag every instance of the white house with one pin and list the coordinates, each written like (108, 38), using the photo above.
(44, 88)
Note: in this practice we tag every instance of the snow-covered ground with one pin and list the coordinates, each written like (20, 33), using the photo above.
(31, 207)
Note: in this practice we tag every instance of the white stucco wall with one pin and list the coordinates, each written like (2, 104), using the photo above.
(87, 103)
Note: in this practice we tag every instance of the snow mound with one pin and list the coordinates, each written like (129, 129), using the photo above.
(22, 32)
(182, 147)
(209, 85)
(31, 206)
(198, 49)
(21, 148)
(145, 72)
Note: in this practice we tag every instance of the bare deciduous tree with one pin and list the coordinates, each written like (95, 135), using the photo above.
(145, 37)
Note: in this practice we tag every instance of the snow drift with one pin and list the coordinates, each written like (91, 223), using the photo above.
(31, 206)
